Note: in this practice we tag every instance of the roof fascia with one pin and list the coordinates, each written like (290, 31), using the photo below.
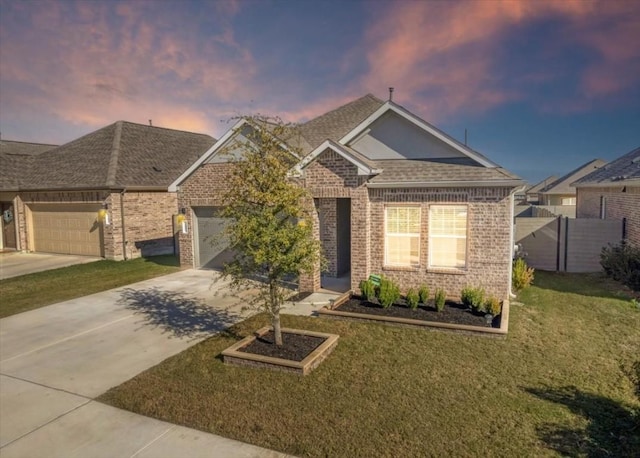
(448, 184)
(419, 123)
(608, 184)
(363, 169)
(173, 187)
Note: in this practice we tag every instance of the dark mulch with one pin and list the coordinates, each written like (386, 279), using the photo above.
(453, 312)
(295, 347)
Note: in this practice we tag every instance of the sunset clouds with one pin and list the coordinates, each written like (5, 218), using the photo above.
(70, 67)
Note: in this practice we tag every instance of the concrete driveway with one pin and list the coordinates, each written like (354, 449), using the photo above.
(55, 360)
(14, 264)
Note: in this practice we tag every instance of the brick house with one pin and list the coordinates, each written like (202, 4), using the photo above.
(560, 192)
(613, 192)
(393, 195)
(104, 194)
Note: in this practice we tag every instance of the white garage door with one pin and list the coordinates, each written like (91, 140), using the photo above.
(67, 229)
(212, 248)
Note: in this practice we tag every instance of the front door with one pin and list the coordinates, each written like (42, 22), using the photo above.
(8, 226)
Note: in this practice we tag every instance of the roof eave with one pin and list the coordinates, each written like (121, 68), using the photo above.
(608, 184)
(448, 184)
(363, 169)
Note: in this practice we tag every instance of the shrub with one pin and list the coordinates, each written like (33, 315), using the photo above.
(522, 275)
(439, 299)
(368, 289)
(622, 263)
(473, 298)
(388, 293)
(493, 306)
(423, 292)
(412, 299)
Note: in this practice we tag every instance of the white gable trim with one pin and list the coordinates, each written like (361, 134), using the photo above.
(390, 106)
(173, 187)
(363, 169)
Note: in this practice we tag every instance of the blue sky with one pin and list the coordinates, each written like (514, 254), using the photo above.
(541, 86)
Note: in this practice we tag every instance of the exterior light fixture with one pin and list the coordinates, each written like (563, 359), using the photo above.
(181, 221)
(103, 215)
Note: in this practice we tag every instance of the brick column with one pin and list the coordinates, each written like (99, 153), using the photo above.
(360, 236)
(310, 282)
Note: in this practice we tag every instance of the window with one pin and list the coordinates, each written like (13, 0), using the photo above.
(447, 236)
(568, 201)
(402, 236)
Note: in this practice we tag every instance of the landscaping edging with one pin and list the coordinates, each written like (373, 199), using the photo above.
(332, 313)
(232, 355)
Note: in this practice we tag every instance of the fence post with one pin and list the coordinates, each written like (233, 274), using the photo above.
(559, 220)
(566, 241)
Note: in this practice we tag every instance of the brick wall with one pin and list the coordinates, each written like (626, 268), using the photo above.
(328, 234)
(618, 205)
(203, 188)
(488, 239)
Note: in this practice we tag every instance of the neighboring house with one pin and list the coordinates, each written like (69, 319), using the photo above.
(533, 193)
(104, 194)
(393, 195)
(613, 192)
(560, 191)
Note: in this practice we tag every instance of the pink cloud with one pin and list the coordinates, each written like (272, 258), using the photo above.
(442, 56)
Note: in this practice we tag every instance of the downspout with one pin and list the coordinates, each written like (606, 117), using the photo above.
(124, 232)
(512, 225)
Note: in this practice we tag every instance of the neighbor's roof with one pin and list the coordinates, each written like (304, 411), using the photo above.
(444, 172)
(563, 184)
(23, 148)
(16, 158)
(339, 122)
(123, 154)
(539, 186)
(623, 170)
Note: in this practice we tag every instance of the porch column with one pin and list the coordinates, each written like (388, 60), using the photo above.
(310, 282)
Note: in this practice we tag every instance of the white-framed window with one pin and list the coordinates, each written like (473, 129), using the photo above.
(568, 201)
(448, 236)
(402, 236)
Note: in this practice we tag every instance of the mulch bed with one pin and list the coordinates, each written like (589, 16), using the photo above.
(295, 347)
(453, 312)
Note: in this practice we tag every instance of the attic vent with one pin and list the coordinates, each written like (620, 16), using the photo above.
(636, 160)
(157, 169)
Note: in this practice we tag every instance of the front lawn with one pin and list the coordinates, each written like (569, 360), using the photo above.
(562, 382)
(32, 291)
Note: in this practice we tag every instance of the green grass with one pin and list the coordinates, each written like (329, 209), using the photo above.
(560, 383)
(32, 291)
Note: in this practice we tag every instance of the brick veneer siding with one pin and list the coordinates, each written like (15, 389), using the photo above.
(488, 241)
(148, 219)
(329, 234)
(204, 188)
(618, 205)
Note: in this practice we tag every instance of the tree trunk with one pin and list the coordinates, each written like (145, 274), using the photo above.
(276, 328)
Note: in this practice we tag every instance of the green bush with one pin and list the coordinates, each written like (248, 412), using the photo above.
(412, 299)
(473, 298)
(493, 306)
(388, 293)
(439, 299)
(423, 292)
(368, 289)
(622, 263)
(522, 275)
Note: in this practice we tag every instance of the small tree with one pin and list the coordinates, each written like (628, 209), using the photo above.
(270, 228)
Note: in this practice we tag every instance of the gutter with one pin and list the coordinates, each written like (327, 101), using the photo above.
(124, 233)
(447, 184)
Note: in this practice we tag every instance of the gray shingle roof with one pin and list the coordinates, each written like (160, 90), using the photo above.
(563, 184)
(432, 171)
(541, 185)
(122, 154)
(339, 122)
(16, 158)
(24, 148)
(624, 169)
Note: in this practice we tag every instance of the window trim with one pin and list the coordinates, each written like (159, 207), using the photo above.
(433, 267)
(386, 263)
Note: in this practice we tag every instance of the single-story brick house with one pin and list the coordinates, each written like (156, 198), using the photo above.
(560, 191)
(104, 194)
(613, 192)
(393, 195)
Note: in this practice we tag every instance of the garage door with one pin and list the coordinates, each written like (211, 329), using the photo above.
(67, 229)
(212, 249)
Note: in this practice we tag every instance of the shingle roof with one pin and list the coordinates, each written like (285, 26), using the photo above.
(624, 169)
(16, 158)
(23, 148)
(563, 184)
(122, 154)
(543, 184)
(339, 122)
(409, 171)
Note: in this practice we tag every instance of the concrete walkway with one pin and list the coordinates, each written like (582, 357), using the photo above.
(55, 360)
(14, 264)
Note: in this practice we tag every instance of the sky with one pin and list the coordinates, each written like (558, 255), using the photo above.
(540, 86)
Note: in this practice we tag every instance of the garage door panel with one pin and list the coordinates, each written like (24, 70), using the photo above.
(66, 229)
(213, 249)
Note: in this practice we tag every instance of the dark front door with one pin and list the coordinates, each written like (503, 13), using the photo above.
(8, 226)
